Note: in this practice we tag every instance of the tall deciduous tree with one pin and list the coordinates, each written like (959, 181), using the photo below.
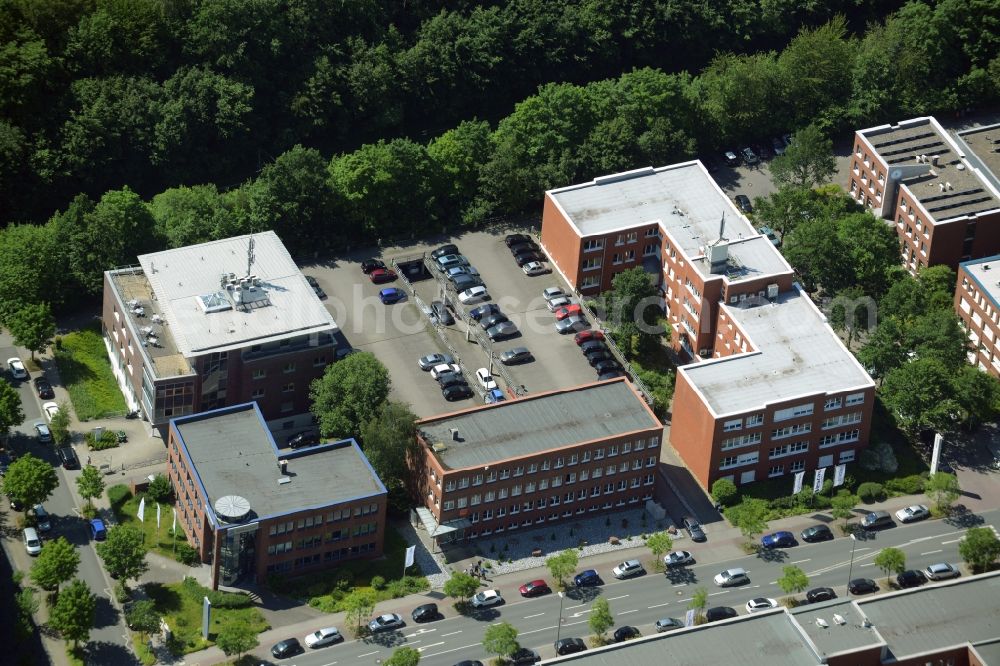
(501, 640)
(123, 552)
(358, 605)
(600, 619)
(699, 599)
(793, 579)
(461, 586)
(56, 564)
(388, 440)
(842, 505)
(890, 561)
(808, 162)
(74, 612)
(979, 548)
(11, 413)
(32, 326)
(819, 256)
(90, 484)
(349, 393)
(562, 565)
(943, 488)
(32, 267)
(29, 481)
(59, 425)
(190, 215)
(142, 616)
(919, 394)
(235, 638)
(659, 543)
(403, 656)
(750, 516)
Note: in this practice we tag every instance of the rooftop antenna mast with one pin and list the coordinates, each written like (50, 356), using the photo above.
(250, 257)
(722, 226)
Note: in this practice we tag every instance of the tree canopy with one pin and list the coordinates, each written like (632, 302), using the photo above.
(123, 552)
(29, 481)
(349, 393)
(74, 612)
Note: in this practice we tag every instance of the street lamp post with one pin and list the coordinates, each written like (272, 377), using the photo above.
(850, 569)
(559, 625)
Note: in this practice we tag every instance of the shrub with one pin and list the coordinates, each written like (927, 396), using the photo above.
(378, 583)
(396, 589)
(871, 492)
(229, 599)
(159, 489)
(908, 485)
(186, 554)
(724, 492)
(879, 457)
(107, 440)
(786, 502)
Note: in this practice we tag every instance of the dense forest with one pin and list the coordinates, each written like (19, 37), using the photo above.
(130, 125)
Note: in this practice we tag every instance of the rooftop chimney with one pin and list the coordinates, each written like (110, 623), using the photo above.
(283, 465)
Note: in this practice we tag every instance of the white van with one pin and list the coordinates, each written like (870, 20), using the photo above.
(32, 543)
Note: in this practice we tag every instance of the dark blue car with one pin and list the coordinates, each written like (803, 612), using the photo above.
(586, 578)
(391, 295)
(778, 540)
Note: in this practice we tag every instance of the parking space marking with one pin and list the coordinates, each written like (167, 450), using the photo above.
(368, 654)
(628, 611)
(613, 598)
(452, 633)
(808, 559)
(931, 552)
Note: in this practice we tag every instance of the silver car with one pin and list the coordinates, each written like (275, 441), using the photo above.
(431, 360)
(942, 571)
(571, 324)
(504, 329)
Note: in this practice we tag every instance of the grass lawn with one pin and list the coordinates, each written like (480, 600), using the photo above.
(180, 605)
(126, 509)
(86, 372)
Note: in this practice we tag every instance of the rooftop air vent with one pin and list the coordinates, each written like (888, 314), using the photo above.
(283, 480)
(438, 447)
(232, 508)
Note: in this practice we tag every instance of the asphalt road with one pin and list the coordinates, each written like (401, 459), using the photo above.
(108, 640)
(643, 600)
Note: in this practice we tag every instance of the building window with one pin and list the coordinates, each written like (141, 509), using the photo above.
(776, 470)
(258, 394)
(750, 439)
(788, 449)
(288, 388)
(449, 505)
(592, 264)
(755, 419)
(839, 438)
(833, 403)
(287, 407)
(841, 420)
(735, 424)
(847, 456)
(855, 399)
(793, 412)
(633, 236)
(319, 362)
(616, 258)
(593, 245)
(259, 374)
(798, 466)
(289, 367)
(789, 431)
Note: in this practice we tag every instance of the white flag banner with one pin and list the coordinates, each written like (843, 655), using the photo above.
(797, 488)
(173, 526)
(839, 472)
(157, 516)
(818, 479)
(409, 556)
(142, 510)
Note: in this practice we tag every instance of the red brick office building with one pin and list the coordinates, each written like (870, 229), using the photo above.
(251, 510)
(977, 303)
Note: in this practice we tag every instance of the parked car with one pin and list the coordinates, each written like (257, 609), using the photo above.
(16, 368)
(817, 533)
(941, 571)
(286, 648)
(591, 346)
(514, 239)
(318, 290)
(535, 588)
(439, 370)
(391, 295)
(732, 577)
(43, 432)
(782, 539)
(778, 145)
(97, 530)
(587, 578)
(558, 302)
(484, 310)
(625, 633)
(386, 622)
(444, 250)
(456, 392)
(720, 613)
(463, 282)
(323, 637)
(49, 409)
(369, 265)
(487, 598)
(450, 261)
(533, 268)
(447, 379)
(570, 310)
(523, 656)
(743, 201)
(667, 624)
(913, 513)
(32, 542)
(382, 275)
(606, 367)
(694, 529)
(588, 336)
(486, 379)
(473, 295)
(426, 613)
(303, 439)
(494, 396)
(528, 257)
(729, 157)
(628, 569)
(431, 360)
(911, 578)
(43, 522)
(571, 324)
(599, 357)
(761, 604)
(43, 388)
(502, 330)
(771, 236)
(569, 646)
(441, 312)
(749, 157)
(861, 586)
(818, 594)
(67, 456)
(678, 558)
(515, 356)
(5, 462)
(877, 520)
(608, 374)
(552, 292)
(458, 271)
(492, 320)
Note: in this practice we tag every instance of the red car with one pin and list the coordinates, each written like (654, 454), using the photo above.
(380, 275)
(568, 311)
(587, 336)
(535, 588)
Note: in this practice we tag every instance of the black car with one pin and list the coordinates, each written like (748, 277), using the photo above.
(626, 633)
(515, 239)
(443, 250)
(515, 356)
(426, 613)
(442, 314)
(607, 366)
(817, 533)
(911, 578)
(820, 594)
(369, 265)
(305, 438)
(469, 662)
(599, 357)
(286, 648)
(484, 310)
(447, 379)
(463, 282)
(527, 258)
(520, 248)
(67, 456)
(569, 646)
(457, 392)
(694, 530)
(743, 201)
(593, 346)
(610, 374)
(861, 586)
(523, 656)
(43, 388)
(4, 462)
(492, 320)
(720, 613)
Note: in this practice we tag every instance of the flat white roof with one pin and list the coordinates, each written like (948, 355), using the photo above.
(286, 305)
(797, 354)
(687, 204)
(986, 274)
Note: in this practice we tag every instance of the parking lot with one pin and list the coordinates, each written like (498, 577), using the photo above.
(399, 334)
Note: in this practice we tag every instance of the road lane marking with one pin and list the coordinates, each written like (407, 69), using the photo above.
(681, 585)
(420, 631)
(427, 647)
(858, 550)
(528, 617)
(330, 664)
(451, 633)
(613, 598)
(808, 559)
(715, 593)
(868, 564)
(931, 552)
(628, 611)
(535, 631)
(583, 612)
(577, 606)
(414, 642)
(658, 605)
(945, 543)
(773, 582)
(367, 654)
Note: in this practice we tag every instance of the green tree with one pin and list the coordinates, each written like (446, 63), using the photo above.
(850, 311)
(142, 616)
(793, 580)
(349, 393)
(461, 586)
(501, 640)
(943, 488)
(90, 484)
(873, 249)
(979, 548)
(808, 162)
(890, 561)
(750, 516)
(236, 637)
(404, 656)
(459, 155)
(562, 565)
(819, 256)
(59, 425)
(32, 267)
(190, 215)
(74, 611)
(159, 489)
(842, 505)
(978, 395)
(883, 351)
(11, 413)
(632, 310)
(124, 552)
(358, 606)
(920, 395)
(600, 619)
(699, 599)
(56, 564)
(659, 543)
(734, 90)
(816, 69)
(32, 326)
(724, 491)
(388, 440)
(29, 481)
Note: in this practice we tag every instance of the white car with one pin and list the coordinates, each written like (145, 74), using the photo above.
(50, 409)
(912, 514)
(559, 302)
(439, 370)
(474, 295)
(16, 367)
(487, 598)
(552, 292)
(323, 637)
(627, 569)
(941, 571)
(760, 604)
(678, 558)
(534, 268)
(486, 379)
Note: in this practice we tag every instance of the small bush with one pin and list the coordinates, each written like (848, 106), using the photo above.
(186, 554)
(786, 502)
(871, 492)
(378, 583)
(107, 440)
(908, 485)
(121, 592)
(229, 599)
(724, 492)
(159, 489)
(118, 495)
(396, 589)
